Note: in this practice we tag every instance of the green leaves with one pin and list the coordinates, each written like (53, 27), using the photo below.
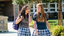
(46, 1)
(23, 2)
(57, 30)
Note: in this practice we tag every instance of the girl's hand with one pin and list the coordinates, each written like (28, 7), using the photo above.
(22, 17)
(19, 19)
(36, 33)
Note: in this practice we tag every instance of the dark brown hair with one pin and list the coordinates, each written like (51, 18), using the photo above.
(22, 12)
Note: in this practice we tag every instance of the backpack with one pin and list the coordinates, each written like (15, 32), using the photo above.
(15, 26)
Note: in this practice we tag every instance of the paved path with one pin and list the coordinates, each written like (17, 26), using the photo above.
(12, 32)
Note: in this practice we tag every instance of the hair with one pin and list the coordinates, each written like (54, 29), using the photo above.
(43, 16)
(22, 12)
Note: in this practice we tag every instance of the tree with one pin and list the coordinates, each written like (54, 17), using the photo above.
(30, 2)
(23, 2)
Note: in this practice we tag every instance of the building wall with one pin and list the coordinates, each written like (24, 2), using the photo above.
(50, 8)
(8, 9)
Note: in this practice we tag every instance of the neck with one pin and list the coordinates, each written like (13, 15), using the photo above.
(39, 12)
(25, 13)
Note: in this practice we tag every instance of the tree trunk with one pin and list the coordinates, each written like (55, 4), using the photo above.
(60, 17)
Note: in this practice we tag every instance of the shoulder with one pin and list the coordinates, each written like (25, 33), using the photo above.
(30, 14)
(45, 13)
(35, 14)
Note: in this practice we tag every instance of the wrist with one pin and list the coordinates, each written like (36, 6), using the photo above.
(36, 30)
(48, 28)
(20, 19)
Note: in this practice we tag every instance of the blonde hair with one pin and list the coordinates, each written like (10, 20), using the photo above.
(43, 16)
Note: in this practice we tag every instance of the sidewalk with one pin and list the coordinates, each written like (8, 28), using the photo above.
(12, 32)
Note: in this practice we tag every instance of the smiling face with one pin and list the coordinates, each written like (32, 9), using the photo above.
(27, 10)
(39, 9)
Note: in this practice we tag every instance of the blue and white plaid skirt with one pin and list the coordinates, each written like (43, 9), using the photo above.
(44, 32)
(24, 32)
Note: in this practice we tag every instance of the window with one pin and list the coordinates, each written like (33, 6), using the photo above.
(52, 9)
(1, 5)
(31, 10)
(63, 7)
(1, 8)
(32, 6)
(45, 5)
(52, 5)
(45, 10)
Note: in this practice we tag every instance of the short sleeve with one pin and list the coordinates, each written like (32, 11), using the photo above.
(30, 14)
(34, 17)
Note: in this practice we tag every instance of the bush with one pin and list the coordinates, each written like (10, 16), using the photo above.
(57, 30)
(31, 24)
(62, 33)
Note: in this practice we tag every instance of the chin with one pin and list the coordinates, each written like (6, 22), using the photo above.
(28, 13)
(38, 11)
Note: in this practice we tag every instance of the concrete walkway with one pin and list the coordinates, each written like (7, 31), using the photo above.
(12, 32)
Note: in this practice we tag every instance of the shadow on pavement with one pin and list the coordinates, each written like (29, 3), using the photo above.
(7, 32)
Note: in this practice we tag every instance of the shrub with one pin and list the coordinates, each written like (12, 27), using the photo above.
(57, 30)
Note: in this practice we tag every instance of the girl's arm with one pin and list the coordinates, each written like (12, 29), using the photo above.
(30, 18)
(35, 25)
(47, 24)
(19, 19)
(36, 32)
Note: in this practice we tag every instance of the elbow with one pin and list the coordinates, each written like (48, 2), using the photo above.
(16, 23)
(29, 22)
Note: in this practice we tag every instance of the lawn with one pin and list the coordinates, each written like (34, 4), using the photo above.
(52, 23)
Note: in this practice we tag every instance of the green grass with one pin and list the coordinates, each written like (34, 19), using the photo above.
(53, 23)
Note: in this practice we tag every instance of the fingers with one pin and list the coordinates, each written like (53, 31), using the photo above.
(36, 33)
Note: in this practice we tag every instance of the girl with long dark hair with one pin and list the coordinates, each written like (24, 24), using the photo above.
(24, 18)
(41, 24)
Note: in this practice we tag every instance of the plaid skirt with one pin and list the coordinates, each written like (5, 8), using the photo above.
(44, 32)
(24, 32)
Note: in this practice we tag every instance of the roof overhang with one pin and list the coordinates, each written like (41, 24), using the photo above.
(5, 0)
